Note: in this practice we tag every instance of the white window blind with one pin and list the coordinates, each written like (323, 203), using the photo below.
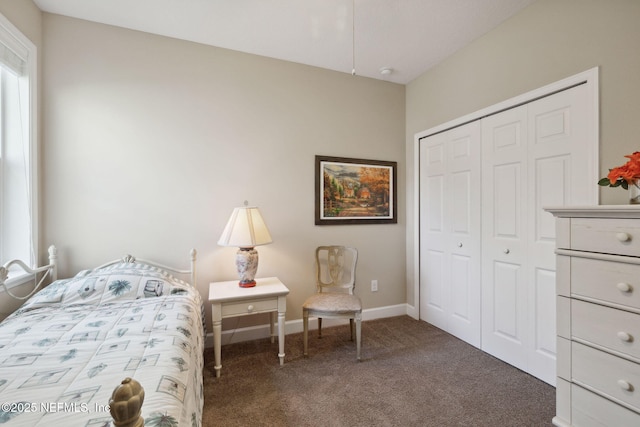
(13, 53)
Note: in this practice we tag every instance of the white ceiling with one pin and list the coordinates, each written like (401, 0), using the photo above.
(409, 36)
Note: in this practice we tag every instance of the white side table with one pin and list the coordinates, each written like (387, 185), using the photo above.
(230, 300)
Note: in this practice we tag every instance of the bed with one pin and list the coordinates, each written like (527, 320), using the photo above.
(65, 352)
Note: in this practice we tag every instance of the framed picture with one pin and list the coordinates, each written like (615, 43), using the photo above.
(355, 191)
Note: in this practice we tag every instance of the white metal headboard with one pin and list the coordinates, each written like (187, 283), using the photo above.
(131, 259)
(50, 270)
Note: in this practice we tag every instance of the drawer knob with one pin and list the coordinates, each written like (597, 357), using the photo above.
(625, 336)
(625, 385)
(460, 244)
(623, 237)
(624, 287)
(250, 308)
(507, 251)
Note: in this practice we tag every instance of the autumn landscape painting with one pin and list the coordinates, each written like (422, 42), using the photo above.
(352, 189)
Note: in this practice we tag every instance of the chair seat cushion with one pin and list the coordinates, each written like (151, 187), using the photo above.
(333, 302)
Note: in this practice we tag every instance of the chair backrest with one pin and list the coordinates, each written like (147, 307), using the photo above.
(336, 269)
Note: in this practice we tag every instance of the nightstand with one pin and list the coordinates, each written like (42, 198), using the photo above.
(227, 299)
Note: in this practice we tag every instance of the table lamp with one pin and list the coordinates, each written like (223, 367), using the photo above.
(246, 229)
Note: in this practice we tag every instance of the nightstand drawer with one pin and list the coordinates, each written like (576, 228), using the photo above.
(620, 237)
(617, 330)
(609, 281)
(606, 374)
(249, 307)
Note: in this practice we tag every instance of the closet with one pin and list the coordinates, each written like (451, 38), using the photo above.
(486, 256)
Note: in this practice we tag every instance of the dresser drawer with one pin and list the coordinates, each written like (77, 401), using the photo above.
(606, 374)
(590, 410)
(241, 308)
(617, 330)
(620, 237)
(609, 281)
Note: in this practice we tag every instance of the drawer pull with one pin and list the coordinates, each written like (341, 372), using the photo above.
(624, 287)
(460, 244)
(507, 251)
(625, 336)
(623, 237)
(625, 385)
(250, 308)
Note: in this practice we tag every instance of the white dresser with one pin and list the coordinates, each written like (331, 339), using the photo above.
(598, 315)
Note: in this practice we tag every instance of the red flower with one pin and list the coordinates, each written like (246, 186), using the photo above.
(625, 174)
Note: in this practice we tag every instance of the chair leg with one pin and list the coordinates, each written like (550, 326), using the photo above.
(305, 333)
(319, 327)
(358, 333)
(351, 328)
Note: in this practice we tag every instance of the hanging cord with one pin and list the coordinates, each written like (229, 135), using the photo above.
(353, 37)
(4, 274)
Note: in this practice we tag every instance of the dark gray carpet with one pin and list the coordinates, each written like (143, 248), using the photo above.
(411, 374)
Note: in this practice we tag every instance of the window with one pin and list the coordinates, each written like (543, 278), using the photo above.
(18, 148)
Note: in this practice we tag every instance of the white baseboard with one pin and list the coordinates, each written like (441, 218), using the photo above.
(295, 326)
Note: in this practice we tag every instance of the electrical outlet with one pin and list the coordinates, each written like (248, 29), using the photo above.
(374, 286)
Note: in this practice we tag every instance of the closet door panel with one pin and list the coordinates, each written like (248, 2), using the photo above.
(434, 302)
(504, 327)
(544, 343)
(558, 129)
(551, 188)
(464, 246)
(461, 267)
(507, 191)
(558, 170)
(450, 226)
(508, 321)
(464, 198)
(433, 233)
(434, 210)
(504, 246)
(461, 203)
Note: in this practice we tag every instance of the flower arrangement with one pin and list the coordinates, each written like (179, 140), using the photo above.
(624, 175)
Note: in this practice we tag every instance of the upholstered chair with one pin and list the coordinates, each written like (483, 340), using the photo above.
(334, 297)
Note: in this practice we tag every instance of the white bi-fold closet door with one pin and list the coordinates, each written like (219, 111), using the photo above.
(483, 187)
(532, 156)
(450, 231)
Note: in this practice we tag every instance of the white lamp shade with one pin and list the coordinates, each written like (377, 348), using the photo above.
(245, 229)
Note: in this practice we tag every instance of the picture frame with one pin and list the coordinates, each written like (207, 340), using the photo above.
(355, 191)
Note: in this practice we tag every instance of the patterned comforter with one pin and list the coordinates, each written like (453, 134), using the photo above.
(66, 349)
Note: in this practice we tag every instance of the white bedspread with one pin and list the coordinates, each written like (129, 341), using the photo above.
(65, 350)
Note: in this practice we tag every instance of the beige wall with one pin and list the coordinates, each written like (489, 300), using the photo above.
(548, 41)
(150, 142)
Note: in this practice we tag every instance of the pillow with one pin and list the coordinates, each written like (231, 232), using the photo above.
(118, 282)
